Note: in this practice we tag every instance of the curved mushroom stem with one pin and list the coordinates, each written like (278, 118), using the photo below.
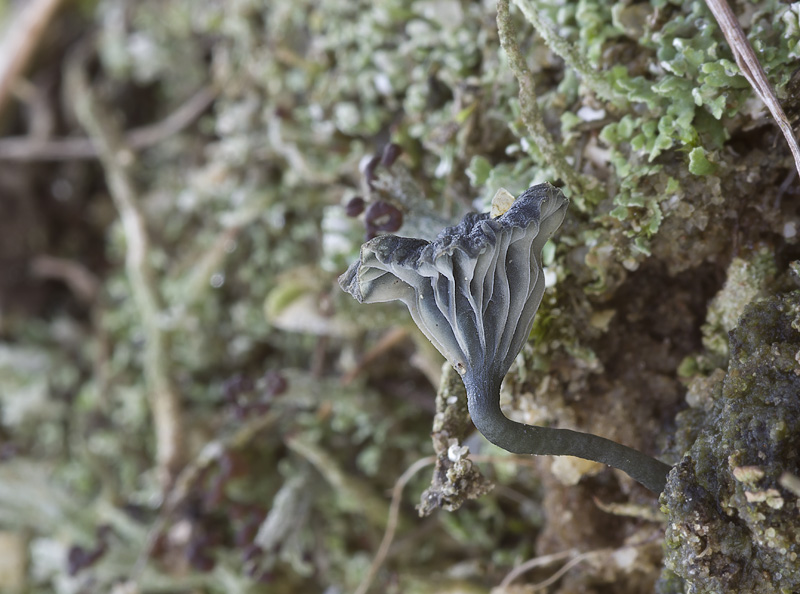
(483, 401)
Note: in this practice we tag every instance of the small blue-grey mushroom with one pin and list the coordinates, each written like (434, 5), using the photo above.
(474, 292)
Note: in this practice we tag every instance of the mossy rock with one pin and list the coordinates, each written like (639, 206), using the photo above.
(732, 526)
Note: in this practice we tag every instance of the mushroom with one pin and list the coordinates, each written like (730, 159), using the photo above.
(473, 292)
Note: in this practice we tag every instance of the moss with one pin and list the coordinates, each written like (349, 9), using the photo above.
(748, 278)
(732, 526)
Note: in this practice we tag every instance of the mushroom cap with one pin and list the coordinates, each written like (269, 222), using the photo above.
(474, 290)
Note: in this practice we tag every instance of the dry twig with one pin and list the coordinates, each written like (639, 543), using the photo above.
(542, 561)
(391, 524)
(751, 68)
(394, 509)
(582, 188)
(75, 275)
(553, 578)
(568, 51)
(165, 401)
(355, 494)
(22, 37)
(59, 149)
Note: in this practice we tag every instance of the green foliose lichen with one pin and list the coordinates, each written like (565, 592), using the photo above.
(732, 526)
(683, 99)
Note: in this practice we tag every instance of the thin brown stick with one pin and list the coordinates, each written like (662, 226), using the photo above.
(752, 70)
(574, 557)
(22, 36)
(187, 113)
(62, 149)
(567, 51)
(75, 275)
(356, 494)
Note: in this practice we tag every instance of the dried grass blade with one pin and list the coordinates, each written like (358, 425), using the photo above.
(752, 70)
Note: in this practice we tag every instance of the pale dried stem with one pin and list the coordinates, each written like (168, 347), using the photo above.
(580, 186)
(75, 275)
(58, 149)
(391, 524)
(164, 400)
(752, 70)
(574, 557)
(568, 52)
(557, 575)
(530, 564)
(394, 509)
(22, 36)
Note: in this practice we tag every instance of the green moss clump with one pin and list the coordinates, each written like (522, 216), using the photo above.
(748, 279)
(732, 527)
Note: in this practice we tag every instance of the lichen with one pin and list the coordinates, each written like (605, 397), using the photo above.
(455, 478)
